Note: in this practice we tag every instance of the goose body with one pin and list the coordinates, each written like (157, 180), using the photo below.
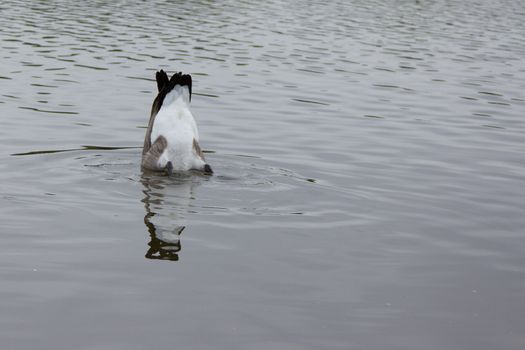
(172, 139)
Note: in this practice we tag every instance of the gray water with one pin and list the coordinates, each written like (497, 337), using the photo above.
(369, 186)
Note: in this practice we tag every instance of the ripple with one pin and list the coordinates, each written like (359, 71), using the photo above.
(89, 67)
(489, 93)
(310, 101)
(47, 111)
(82, 148)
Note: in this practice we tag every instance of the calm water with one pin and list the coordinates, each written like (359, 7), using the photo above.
(369, 187)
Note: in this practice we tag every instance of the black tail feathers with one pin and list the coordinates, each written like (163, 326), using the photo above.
(164, 85)
(180, 79)
(162, 79)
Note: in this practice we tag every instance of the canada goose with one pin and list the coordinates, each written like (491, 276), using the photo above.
(172, 139)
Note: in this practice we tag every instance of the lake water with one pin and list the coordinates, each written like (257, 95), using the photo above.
(369, 186)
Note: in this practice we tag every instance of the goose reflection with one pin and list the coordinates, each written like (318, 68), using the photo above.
(166, 201)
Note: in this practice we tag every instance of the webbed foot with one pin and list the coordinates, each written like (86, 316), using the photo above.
(207, 169)
(169, 168)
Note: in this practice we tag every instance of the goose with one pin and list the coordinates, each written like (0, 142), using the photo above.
(172, 139)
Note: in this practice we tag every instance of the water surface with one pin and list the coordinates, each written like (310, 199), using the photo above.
(369, 176)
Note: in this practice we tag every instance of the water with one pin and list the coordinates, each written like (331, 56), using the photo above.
(369, 176)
